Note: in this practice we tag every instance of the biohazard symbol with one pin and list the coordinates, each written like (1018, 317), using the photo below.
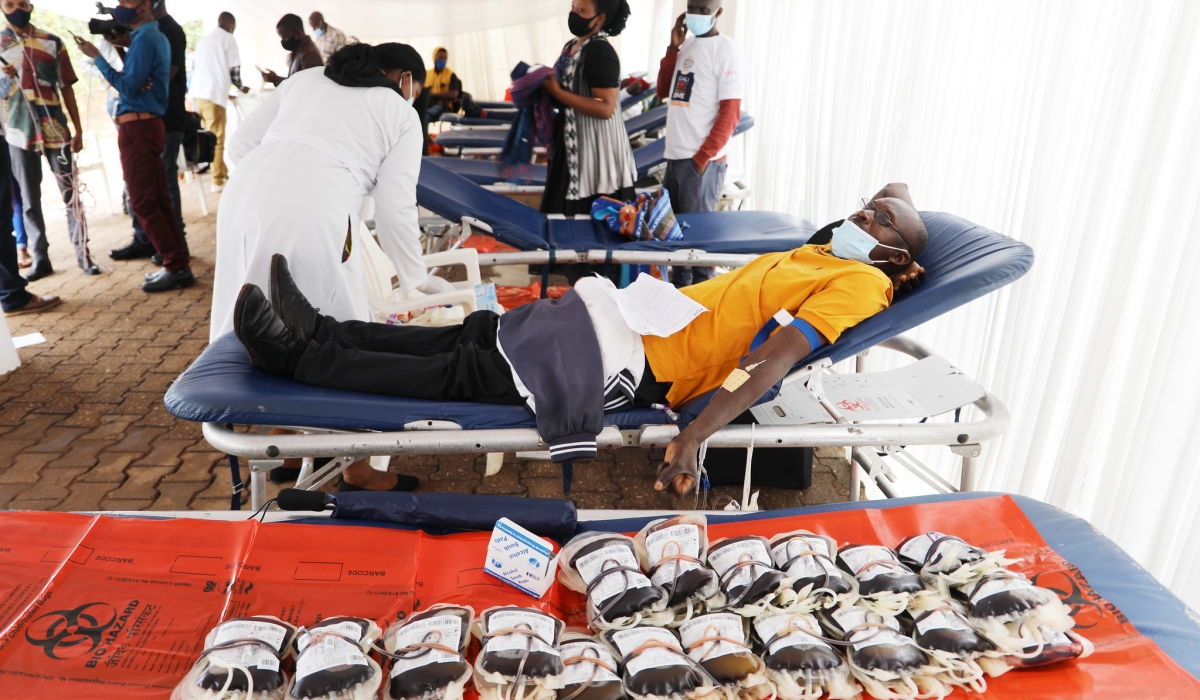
(852, 405)
(67, 634)
(1086, 613)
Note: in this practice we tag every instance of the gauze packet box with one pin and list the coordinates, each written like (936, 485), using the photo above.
(520, 558)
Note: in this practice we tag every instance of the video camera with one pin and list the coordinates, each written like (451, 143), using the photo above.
(107, 26)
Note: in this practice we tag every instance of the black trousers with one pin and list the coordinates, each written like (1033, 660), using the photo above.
(454, 363)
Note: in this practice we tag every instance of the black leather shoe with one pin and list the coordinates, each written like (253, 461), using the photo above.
(156, 259)
(39, 271)
(165, 281)
(404, 482)
(289, 302)
(134, 251)
(272, 346)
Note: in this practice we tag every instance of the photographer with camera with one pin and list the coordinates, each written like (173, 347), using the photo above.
(141, 136)
(36, 86)
(175, 121)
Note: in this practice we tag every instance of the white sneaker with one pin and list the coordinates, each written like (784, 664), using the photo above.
(217, 188)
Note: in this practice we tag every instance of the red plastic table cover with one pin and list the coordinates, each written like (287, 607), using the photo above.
(117, 607)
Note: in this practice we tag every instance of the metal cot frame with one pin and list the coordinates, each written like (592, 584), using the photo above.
(966, 440)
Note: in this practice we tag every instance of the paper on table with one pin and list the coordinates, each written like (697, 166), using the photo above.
(653, 307)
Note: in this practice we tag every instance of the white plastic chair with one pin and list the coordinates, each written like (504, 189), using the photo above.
(386, 300)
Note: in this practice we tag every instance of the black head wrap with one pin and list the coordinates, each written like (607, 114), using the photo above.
(404, 57)
(362, 65)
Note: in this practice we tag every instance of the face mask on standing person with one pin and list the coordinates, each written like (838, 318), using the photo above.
(126, 15)
(19, 18)
(578, 24)
(699, 25)
(290, 44)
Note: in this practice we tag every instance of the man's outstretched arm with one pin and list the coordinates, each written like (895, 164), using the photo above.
(770, 362)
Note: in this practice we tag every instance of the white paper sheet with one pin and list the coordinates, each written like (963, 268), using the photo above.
(653, 307)
(24, 341)
(925, 388)
(795, 405)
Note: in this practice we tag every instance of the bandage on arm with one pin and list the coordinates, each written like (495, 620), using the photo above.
(728, 115)
(666, 73)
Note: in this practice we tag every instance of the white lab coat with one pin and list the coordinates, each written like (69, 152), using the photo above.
(306, 159)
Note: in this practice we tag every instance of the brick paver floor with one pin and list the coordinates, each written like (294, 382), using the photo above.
(83, 427)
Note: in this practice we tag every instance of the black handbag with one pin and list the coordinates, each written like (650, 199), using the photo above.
(199, 146)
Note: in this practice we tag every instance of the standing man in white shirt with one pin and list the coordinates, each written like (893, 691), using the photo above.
(328, 39)
(217, 65)
(703, 79)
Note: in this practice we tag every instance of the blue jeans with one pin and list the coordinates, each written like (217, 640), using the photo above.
(18, 218)
(12, 286)
(170, 158)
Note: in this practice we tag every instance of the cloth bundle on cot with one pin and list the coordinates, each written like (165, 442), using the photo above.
(649, 217)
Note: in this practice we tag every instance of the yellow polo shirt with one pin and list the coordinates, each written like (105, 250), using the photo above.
(811, 283)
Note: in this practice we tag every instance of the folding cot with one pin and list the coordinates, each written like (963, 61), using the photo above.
(490, 173)
(221, 388)
(491, 141)
(503, 116)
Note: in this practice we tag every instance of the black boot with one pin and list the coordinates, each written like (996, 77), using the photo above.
(272, 346)
(289, 302)
(135, 250)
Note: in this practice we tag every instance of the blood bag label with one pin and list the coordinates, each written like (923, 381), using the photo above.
(809, 565)
(629, 640)
(793, 546)
(917, 548)
(769, 627)
(993, 586)
(445, 630)
(942, 620)
(272, 634)
(593, 566)
(327, 653)
(580, 672)
(544, 626)
(866, 561)
(853, 617)
(725, 557)
(349, 629)
(247, 656)
(715, 625)
(677, 540)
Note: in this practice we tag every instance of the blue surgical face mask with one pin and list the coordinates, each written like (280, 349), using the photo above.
(852, 243)
(125, 15)
(699, 25)
(320, 32)
(439, 65)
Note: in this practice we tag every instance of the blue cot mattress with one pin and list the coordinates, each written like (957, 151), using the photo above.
(964, 262)
(646, 121)
(490, 172)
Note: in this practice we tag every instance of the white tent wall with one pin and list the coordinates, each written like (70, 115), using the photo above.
(1070, 125)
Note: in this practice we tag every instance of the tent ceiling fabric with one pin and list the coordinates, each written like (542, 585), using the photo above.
(367, 19)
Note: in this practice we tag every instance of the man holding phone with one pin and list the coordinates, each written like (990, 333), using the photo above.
(703, 80)
(141, 136)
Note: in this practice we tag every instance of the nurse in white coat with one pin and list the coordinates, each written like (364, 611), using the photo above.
(306, 159)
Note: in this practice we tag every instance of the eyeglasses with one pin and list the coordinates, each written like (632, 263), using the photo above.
(881, 217)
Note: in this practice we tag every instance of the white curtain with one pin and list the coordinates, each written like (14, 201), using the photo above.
(1072, 126)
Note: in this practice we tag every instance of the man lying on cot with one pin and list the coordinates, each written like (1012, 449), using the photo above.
(573, 359)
